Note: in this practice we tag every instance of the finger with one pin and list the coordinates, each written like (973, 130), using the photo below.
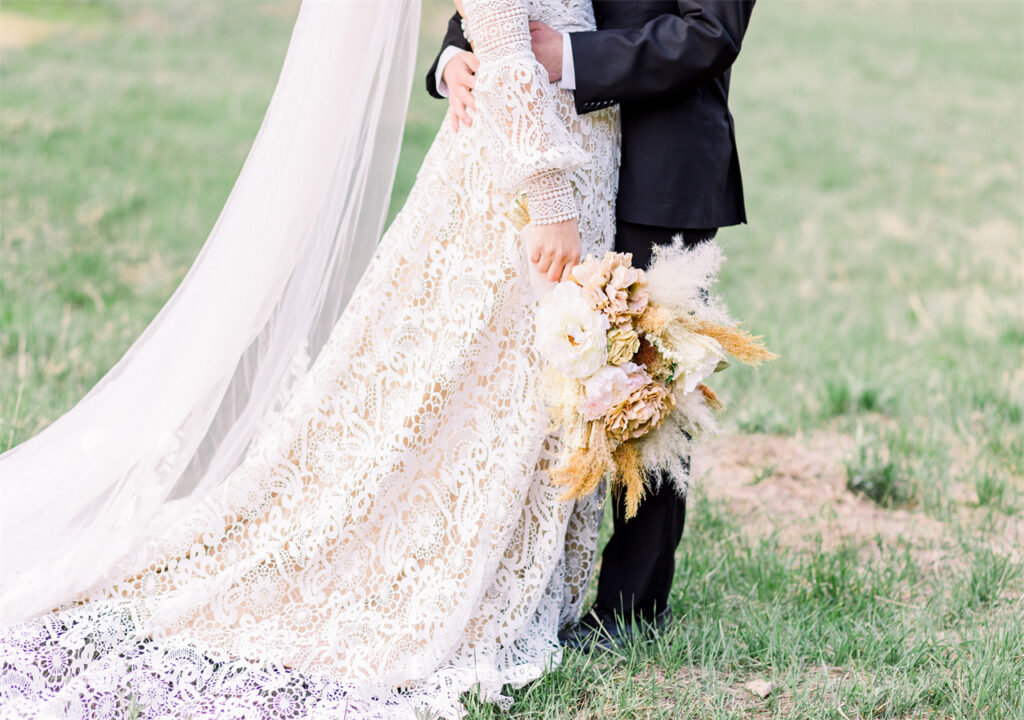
(464, 99)
(460, 110)
(567, 271)
(473, 62)
(555, 271)
(455, 107)
(532, 248)
(465, 93)
(544, 263)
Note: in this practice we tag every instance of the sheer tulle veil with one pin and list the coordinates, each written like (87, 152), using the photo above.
(175, 415)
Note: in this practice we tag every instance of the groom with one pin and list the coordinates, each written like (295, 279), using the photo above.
(667, 66)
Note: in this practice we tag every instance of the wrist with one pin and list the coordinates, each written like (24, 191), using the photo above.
(443, 61)
(550, 198)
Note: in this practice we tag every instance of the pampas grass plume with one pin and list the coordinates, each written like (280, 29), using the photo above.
(737, 342)
(710, 398)
(630, 476)
(678, 273)
(582, 471)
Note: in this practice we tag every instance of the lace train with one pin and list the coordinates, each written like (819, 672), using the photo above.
(392, 538)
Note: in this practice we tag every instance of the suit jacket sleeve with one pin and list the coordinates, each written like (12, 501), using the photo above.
(455, 37)
(670, 54)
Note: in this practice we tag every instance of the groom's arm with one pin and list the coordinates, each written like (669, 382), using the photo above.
(454, 38)
(670, 54)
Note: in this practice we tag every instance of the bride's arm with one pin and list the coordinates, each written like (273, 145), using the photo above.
(532, 149)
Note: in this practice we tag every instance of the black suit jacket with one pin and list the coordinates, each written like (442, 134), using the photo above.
(666, 63)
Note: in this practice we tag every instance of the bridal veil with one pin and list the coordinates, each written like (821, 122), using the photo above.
(175, 415)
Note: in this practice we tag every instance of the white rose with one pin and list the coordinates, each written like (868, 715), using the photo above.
(570, 334)
(697, 359)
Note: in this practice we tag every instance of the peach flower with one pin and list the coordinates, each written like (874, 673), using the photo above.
(613, 286)
(642, 411)
(611, 386)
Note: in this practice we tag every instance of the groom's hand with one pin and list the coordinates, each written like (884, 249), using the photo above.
(547, 46)
(460, 77)
(554, 248)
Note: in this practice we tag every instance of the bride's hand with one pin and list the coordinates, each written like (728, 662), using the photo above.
(554, 249)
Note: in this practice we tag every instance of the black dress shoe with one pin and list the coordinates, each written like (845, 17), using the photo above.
(606, 630)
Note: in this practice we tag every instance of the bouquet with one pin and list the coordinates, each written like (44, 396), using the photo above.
(627, 354)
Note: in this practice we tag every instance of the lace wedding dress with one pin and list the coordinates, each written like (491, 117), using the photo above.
(392, 538)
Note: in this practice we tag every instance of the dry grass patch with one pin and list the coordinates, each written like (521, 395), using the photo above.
(705, 693)
(18, 32)
(795, 488)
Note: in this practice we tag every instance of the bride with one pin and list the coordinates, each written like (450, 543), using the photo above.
(368, 536)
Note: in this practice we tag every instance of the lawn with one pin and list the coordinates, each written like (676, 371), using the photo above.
(855, 535)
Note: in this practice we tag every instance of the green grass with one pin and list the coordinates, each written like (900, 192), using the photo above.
(906, 641)
(883, 162)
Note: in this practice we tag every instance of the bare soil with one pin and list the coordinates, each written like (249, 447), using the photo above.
(795, 488)
(18, 32)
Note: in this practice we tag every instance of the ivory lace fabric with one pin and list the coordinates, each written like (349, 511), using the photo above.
(392, 538)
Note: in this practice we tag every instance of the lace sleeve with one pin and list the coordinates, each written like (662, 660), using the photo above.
(517, 105)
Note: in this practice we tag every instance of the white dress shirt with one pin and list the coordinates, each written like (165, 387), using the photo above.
(567, 82)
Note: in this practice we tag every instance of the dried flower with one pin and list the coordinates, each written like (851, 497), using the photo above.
(710, 398)
(694, 357)
(623, 344)
(737, 342)
(610, 386)
(581, 471)
(629, 477)
(629, 349)
(647, 355)
(613, 286)
(642, 411)
(627, 293)
(591, 276)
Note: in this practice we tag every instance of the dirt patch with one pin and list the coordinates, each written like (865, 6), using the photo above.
(18, 32)
(665, 691)
(795, 488)
(283, 8)
(153, 19)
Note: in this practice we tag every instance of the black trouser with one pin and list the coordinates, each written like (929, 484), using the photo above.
(638, 562)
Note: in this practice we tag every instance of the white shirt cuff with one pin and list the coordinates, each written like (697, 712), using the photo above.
(568, 81)
(442, 62)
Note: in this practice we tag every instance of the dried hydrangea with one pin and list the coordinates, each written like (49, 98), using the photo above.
(623, 344)
(642, 411)
(611, 386)
(613, 286)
